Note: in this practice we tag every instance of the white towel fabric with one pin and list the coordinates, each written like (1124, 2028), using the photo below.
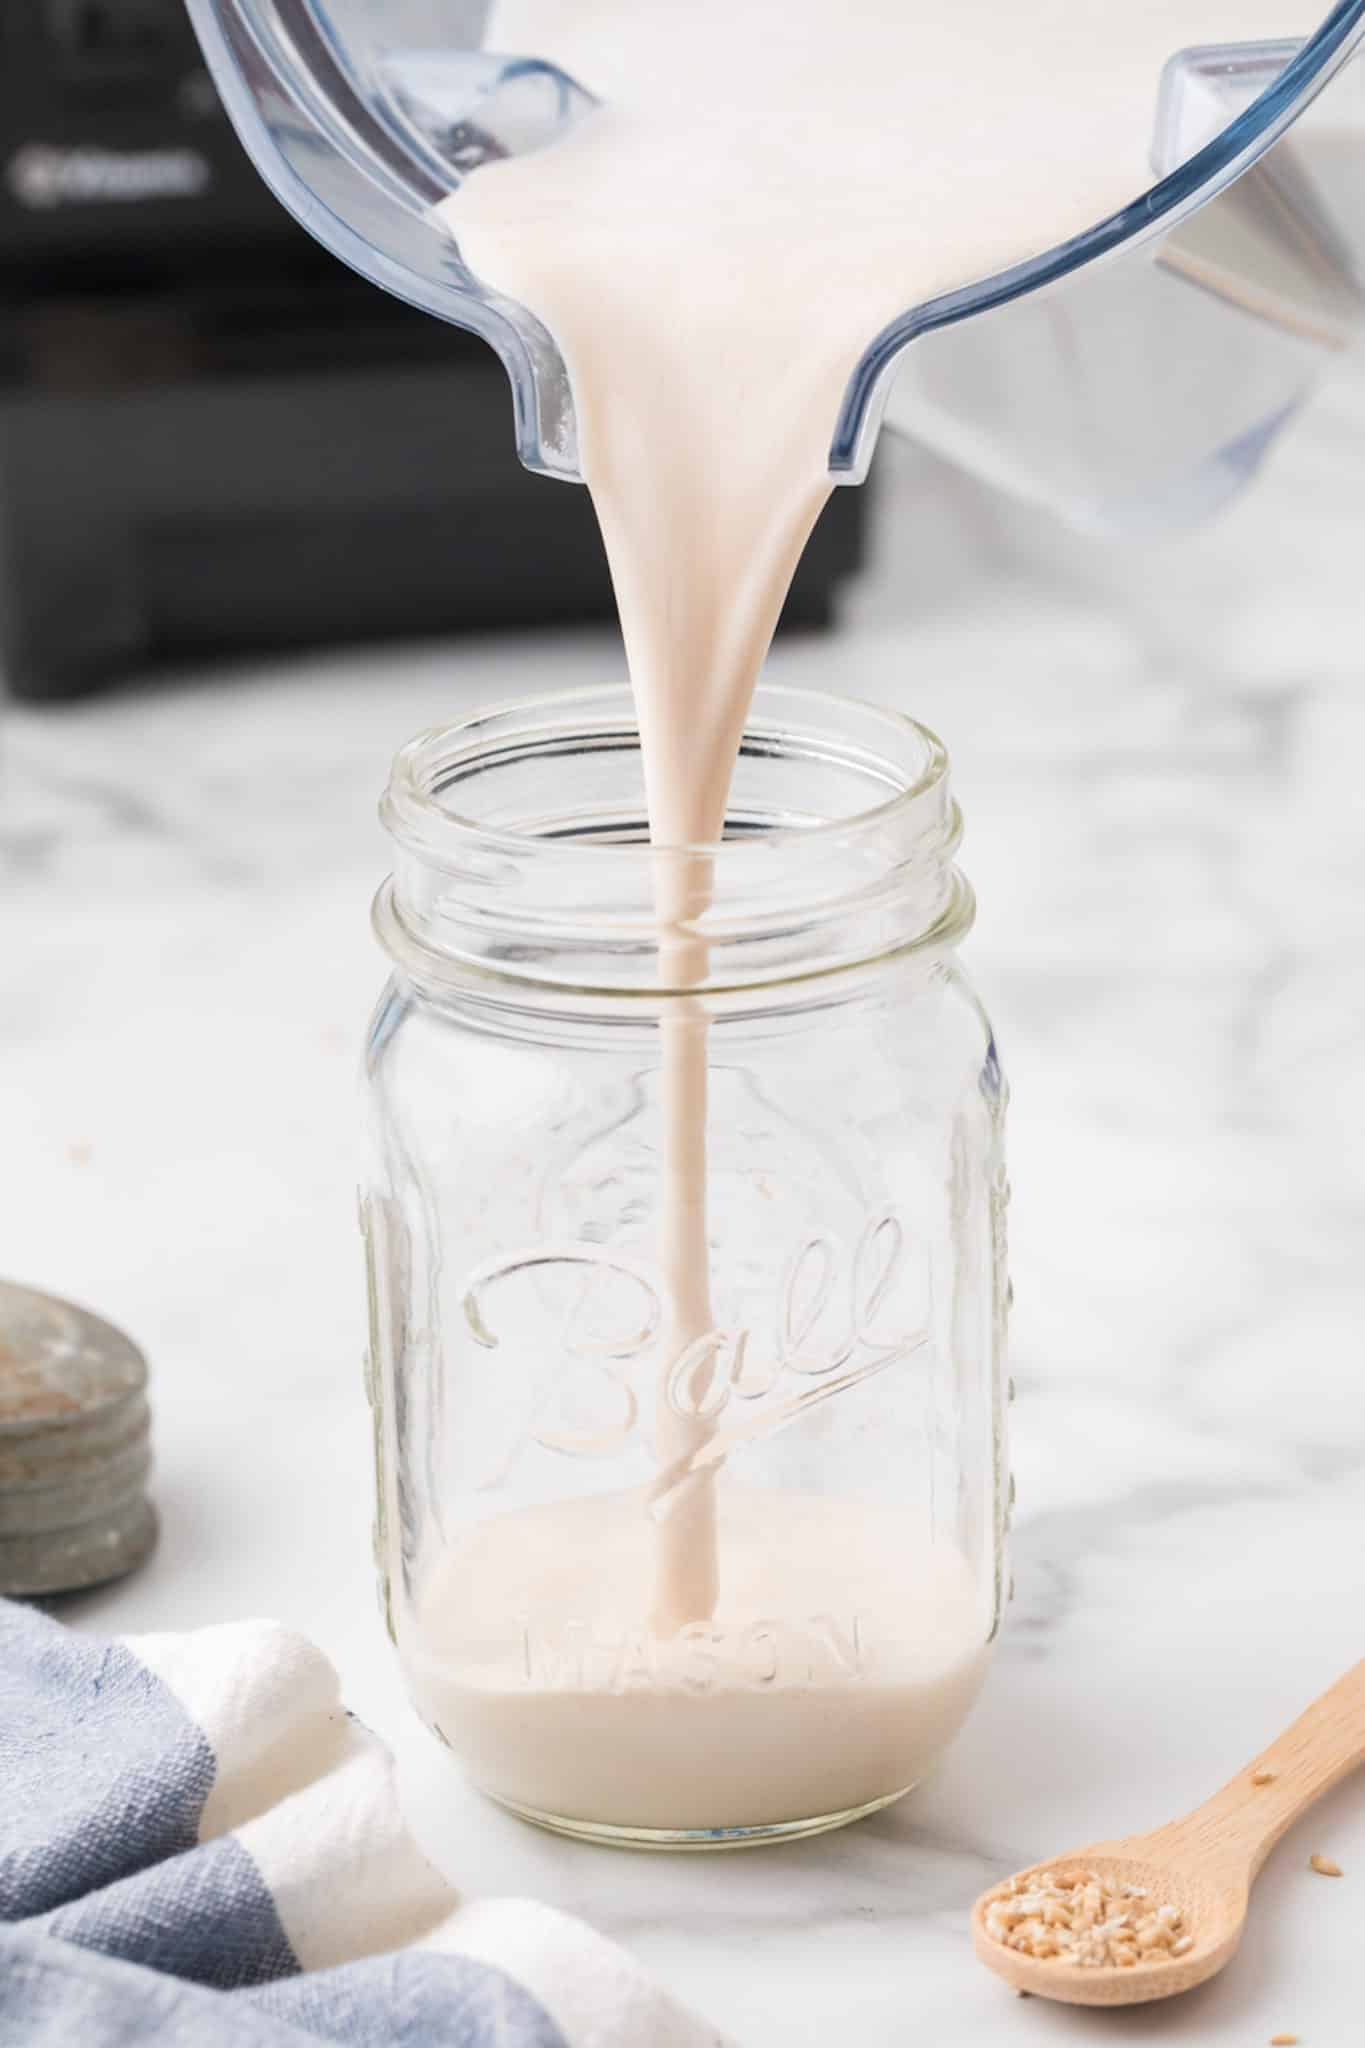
(201, 1809)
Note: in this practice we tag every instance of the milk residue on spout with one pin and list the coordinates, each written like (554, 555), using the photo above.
(761, 189)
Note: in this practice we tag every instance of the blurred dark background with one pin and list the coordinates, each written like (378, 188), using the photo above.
(213, 438)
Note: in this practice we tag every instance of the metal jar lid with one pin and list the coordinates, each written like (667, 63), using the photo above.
(75, 1447)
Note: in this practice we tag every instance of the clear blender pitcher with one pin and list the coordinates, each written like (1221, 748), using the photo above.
(1132, 376)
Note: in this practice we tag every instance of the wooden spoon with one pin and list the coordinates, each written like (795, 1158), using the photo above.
(1205, 1864)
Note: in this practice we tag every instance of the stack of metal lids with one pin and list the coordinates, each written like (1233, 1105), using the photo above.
(75, 1447)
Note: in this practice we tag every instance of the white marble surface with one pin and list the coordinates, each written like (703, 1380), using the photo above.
(1161, 763)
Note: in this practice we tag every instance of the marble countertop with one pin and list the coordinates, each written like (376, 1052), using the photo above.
(1159, 756)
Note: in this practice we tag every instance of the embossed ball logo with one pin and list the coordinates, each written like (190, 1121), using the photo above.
(616, 1314)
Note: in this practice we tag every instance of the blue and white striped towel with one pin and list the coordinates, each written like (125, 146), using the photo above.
(198, 1845)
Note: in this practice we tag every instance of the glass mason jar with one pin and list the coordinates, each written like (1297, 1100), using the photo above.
(686, 1238)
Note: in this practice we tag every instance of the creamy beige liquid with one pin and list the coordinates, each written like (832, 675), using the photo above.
(842, 1656)
(765, 186)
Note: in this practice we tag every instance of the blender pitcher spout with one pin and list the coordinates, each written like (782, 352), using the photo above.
(1130, 377)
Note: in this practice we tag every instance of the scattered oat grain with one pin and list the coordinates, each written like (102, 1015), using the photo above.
(1324, 1866)
(1263, 1778)
(1284, 2041)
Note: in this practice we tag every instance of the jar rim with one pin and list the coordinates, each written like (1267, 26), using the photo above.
(414, 814)
(808, 877)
